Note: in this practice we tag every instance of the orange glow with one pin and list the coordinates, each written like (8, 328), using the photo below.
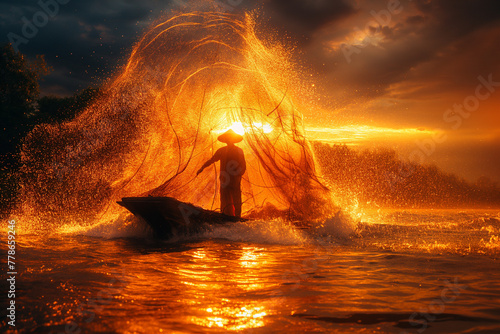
(238, 128)
(187, 79)
(232, 318)
(241, 128)
(214, 280)
(252, 257)
(357, 134)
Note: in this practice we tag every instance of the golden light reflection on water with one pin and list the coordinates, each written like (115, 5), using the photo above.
(219, 286)
(251, 258)
(232, 318)
(212, 278)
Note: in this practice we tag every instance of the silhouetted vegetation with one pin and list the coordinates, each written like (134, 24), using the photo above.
(19, 91)
(52, 109)
(380, 178)
(22, 108)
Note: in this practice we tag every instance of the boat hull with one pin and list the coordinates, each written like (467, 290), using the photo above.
(169, 217)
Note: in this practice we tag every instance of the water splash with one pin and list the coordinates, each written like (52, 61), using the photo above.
(187, 79)
(276, 232)
(432, 231)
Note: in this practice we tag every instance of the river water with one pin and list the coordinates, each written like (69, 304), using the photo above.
(397, 272)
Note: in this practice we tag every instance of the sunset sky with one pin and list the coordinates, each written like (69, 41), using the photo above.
(421, 76)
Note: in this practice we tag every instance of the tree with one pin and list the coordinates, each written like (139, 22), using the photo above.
(53, 109)
(19, 91)
(21, 109)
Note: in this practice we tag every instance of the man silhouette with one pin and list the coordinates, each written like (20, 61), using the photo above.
(232, 168)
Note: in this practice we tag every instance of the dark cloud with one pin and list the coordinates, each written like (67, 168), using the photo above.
(85, 42)
(301, 18)
(425, 6)
(460, 17)
(88, 40)
(415, 19)
(421, 33)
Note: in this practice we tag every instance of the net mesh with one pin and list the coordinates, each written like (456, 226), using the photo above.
(188, 79)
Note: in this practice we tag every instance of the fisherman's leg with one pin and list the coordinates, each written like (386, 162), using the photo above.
(226, 203)
(236, 195)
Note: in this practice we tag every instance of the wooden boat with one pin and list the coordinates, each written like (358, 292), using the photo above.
(169, 217)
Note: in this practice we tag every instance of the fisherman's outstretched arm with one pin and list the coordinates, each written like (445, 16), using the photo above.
(205, 165)
(212, 160)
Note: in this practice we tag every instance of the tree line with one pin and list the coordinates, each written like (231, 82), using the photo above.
(379, 177)
(22, 108)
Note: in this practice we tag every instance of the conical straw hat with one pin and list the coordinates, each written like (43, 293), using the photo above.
(230, 137)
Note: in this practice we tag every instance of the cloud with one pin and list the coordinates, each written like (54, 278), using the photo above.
(422, 32)
(91, 38)
(301, 18)
(85, 42)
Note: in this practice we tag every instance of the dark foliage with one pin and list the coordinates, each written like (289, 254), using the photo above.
(19, 92)
(52, 109)
(21, 109)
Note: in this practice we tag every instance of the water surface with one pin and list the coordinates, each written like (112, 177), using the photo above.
(400, 271)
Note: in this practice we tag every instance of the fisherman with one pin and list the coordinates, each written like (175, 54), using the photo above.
(232, 168)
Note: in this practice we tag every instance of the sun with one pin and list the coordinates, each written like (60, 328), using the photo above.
(241, 129)
(238, 128)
